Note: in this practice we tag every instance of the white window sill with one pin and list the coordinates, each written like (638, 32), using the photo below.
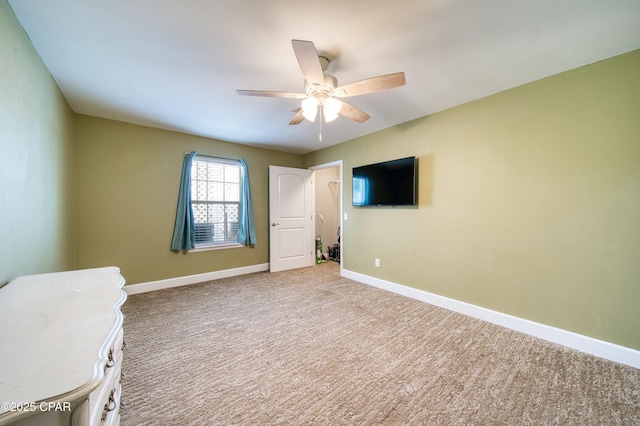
(208, 247)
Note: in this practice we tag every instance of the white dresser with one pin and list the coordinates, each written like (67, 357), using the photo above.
(61, 347)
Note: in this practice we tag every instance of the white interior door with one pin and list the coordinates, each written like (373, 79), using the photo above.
(291, 204)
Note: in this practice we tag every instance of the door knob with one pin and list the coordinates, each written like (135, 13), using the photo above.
(274, 224)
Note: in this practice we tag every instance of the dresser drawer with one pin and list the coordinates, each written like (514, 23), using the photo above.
(105, 400)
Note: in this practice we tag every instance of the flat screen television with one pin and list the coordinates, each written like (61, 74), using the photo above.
(390, 183)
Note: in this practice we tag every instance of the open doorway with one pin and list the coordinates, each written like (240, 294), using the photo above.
(328, 211)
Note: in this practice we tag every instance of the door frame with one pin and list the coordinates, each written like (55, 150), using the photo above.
(341, 178)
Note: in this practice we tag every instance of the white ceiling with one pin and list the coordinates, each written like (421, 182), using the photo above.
(176, 64)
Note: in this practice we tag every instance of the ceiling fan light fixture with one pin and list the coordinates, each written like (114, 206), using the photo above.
(331, 108)
(322, 90)
(310, 108)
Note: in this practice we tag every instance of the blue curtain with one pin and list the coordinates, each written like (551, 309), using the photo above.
(184, 236)
(247, 231)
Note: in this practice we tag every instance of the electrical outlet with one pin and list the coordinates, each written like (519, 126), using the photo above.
(377, 263)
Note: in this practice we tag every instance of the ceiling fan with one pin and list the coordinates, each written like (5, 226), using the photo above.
(322, 92)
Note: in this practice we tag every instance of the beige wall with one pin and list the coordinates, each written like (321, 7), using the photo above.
(127, 180)
(36, 160)
(529, 202)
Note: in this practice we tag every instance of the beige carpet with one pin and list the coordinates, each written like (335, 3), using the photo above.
(308, 347)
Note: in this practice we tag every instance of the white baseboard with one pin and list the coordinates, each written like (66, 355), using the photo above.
(600, 348)
(193, 279)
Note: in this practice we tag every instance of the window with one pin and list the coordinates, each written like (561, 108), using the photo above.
(215, 199)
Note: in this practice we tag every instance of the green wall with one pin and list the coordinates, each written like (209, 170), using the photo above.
(127, 180)
(36, 160)
(529, 202)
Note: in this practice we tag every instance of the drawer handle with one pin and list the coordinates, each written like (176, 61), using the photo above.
(111, 362)
(109, 406)
(124, 345)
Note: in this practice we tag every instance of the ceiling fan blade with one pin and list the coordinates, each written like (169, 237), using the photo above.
(349, 111)
(371, 85)
(269, 94)
(308, 60)
(297, 119)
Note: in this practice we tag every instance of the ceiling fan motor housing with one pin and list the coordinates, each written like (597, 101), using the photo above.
(322, 91)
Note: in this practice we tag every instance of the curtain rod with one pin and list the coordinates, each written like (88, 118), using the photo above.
(212, 156)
